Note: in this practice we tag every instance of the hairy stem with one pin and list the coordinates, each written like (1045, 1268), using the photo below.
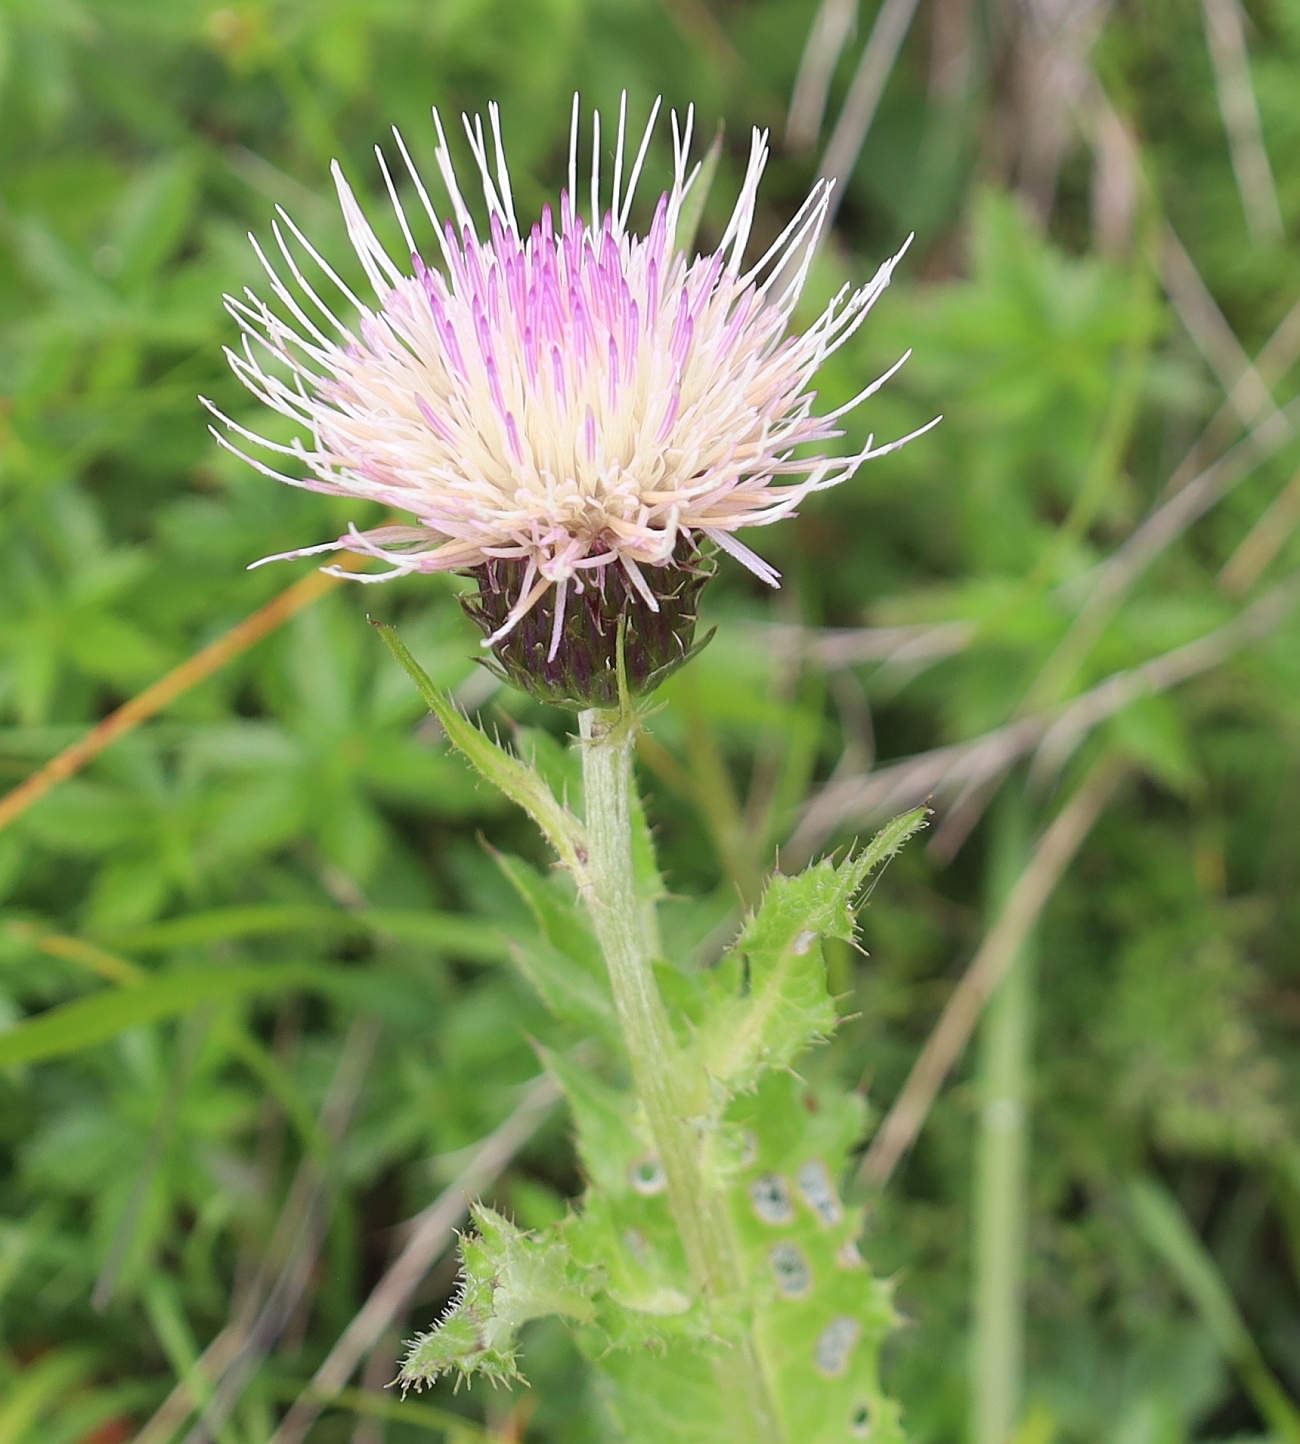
(665, 1080)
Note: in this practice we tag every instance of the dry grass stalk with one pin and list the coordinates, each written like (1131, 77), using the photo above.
(166, 690)
(1024, 907)
(1054, 734)
(430, 1233)
(831, 31)
(1225, 36)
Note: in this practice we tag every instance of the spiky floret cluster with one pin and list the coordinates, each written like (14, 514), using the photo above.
(568, 402)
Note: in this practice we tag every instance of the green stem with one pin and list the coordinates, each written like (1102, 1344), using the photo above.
(666, 1083)
(1001, 1165)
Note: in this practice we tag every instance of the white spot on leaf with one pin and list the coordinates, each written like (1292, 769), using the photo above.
(771, 1199)
(835, 1345)
(647, 1177)
(818, 1191)
(791, 1271)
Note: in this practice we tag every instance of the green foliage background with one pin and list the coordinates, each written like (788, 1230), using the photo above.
(293, 834)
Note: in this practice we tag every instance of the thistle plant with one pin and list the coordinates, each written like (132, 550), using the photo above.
(581, 420)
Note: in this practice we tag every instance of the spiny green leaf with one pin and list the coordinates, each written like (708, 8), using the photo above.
(533, 1274)
(559, 920)
(568, 992)
(624, 1228)
(661, 1395)
(520, 783)
(683, 996)
(559, 766)
(564, 964)
(647, 1295)
(819, 1314)
(770, 1000)
(768, 1010)
(608, 1136)
(508, 1278)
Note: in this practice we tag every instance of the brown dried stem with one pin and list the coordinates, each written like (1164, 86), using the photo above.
(1054, 733)
(1225, 36)
(167, 689)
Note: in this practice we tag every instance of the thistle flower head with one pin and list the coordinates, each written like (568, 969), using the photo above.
(557, 410)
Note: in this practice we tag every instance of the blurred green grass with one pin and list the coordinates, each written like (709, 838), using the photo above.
(1075, 365)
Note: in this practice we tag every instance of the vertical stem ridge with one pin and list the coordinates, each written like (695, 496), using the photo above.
(663, 1081)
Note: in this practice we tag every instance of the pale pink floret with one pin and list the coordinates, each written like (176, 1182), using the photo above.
(571, 401)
